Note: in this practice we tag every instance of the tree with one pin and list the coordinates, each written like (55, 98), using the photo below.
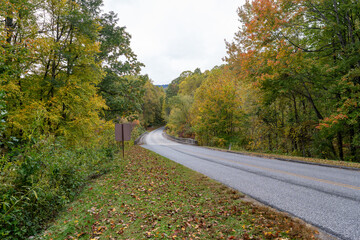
(299, 54)
(336, 44)
(56, 92)
(179, 121)
(191, 82)
(261, 57)
(122, 92)
(61, 60)
(171, 91)
(124, 95)
(152, 105)
(216, 112)
(17, 47)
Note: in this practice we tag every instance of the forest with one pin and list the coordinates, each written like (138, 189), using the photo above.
(289, 85)
(67, 73)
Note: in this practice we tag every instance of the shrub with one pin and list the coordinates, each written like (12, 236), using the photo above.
(137, 131)
(40, 179)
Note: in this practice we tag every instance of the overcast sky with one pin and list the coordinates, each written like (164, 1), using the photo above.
(172, 36)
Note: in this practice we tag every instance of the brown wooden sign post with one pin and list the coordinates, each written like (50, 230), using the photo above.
(122, 134)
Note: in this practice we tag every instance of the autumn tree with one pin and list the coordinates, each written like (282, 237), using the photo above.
(216, 113)
(152, 104)
(17, 47)
(191, 82)
(179, 120)
(332, 36)
(298, 54)
(261, 58)
(171, 91)
(61, 93)
(179, 98)
(65, 65)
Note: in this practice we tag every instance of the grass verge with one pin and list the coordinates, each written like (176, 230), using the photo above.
(294, 158)
(148, 196)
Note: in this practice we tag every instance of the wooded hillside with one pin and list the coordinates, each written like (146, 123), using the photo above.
(290, 83)
(66, 73)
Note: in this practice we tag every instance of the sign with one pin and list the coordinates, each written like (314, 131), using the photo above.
(123, 132)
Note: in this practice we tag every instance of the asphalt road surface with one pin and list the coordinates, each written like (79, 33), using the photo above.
(328, 198)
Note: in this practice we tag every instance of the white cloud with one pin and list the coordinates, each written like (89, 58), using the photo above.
(172, 36)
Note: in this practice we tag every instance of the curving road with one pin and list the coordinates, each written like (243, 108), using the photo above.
(328, 198)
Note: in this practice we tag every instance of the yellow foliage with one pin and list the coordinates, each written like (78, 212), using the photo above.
(57, 94)
(217, 110)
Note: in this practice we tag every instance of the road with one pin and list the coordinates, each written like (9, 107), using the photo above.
(326, 197)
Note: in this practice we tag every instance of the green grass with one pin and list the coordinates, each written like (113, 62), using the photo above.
(148, 196)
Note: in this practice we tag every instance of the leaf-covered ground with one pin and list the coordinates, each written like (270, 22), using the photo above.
(148, 196)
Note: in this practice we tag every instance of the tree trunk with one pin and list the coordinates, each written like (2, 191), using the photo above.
(303, 148)
(270, 145)
(340, 145)
(296, 120)
(352, 145)
(332, 147)
(9, 28)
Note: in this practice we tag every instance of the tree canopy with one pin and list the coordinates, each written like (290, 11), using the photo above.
(65, 68)
(292, 71)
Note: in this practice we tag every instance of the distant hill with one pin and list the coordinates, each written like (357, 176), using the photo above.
(164, 86)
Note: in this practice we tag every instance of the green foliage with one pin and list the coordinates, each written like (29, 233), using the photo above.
(115, 51)
(293, 77)
(152, 105)
(217, 116)
(179, 98)
(179, 121)
(38, 182)
(122, 89)
(191, 82)
(51, 85)
(6, 142)
(3, 113)
(124, 95)
(206, 105)
(64, 69)
(301, 60)
(172, 90)
(60, 69)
